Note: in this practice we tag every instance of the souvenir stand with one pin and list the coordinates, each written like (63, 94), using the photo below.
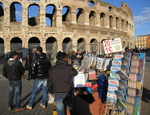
(110, 86)
(125, 84)
(91, 85)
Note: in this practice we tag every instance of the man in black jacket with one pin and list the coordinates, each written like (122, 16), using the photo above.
(13, 70)
(60, 83)
(40, 69)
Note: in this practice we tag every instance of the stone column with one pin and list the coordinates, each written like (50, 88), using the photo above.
(114, 24)
(86, 18)
(106, 22)
(24, 19)
(6, 47)
(74, 44)
(25, 45)
(59, 17)
(73, 17)
(6, 16)
(59, 44)
(42, 20)
(97, 20)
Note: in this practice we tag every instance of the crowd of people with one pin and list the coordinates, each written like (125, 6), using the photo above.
(55, 80)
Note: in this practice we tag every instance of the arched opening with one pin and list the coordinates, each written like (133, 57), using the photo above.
(51, 46)
(91, 3)
(110, 22)
(2, 49)
(51, 15)
(15, 12)
(127, 26)
(132, 46)
(16, 45)
(93, 46)
(32, 44)
(81, 44)
(117, 23)
(122, 25)
(1, 9)
(66, 13)
(124, 44)
(33, 15)
(67, 45)
(102, 48)
(102, 22)
(80, 16)
(92, 18)
(109, 8)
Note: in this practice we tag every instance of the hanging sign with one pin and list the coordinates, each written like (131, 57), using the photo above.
(111, 46)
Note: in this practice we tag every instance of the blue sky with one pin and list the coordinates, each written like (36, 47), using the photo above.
(141, 14)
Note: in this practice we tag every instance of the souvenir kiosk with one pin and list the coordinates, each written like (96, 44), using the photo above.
(110, 86)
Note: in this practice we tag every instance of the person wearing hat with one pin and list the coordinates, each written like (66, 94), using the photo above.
(13, 71)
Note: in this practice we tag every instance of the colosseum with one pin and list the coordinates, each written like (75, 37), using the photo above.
(62, 25)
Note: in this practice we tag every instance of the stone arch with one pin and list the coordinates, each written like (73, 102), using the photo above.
(1, 9)
(102, 47)
(102, 19)
(15, 12)
(127, 24)
(81, 44)
(66, 13)
(16, 45)
(124, 44)
(122, 24)
(67, 45)
(131, 45)
(51, 46)
(92, 18)
(110, 8)
(110, 21)
(32, 44)
(51, 15)
(94, 45)
(80, 16)
(33, 17)
(117, 23)
(2, 48)
(91, 3)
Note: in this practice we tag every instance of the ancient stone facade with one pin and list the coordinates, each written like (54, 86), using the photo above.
(81, 26)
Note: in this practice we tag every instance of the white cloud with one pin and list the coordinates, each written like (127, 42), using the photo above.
(18, 14)
(140, 20)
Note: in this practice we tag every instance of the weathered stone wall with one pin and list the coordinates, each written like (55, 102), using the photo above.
(116, 22)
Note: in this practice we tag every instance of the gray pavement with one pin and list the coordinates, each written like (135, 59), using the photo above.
(37, 110)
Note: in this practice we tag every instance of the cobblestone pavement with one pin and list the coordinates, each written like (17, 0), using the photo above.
(37, 110)
(26, 91)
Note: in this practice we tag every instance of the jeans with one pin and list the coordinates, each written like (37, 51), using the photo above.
(36, 85)
(64, 99)
(14, 86)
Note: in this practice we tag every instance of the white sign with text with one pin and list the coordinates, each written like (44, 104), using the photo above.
(111, 46)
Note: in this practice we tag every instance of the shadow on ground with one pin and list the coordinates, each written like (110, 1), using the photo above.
(146, 95)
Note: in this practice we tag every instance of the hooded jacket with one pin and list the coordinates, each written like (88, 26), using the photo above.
(40, 66)
(61, 77)
(13, 69)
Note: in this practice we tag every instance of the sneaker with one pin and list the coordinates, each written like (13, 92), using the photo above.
(42, 106)
(28, 107)
(9, 108)
(20, 109)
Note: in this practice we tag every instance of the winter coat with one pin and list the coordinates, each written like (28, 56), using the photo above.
(60, 78)
(13, 69)
(40, 66)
